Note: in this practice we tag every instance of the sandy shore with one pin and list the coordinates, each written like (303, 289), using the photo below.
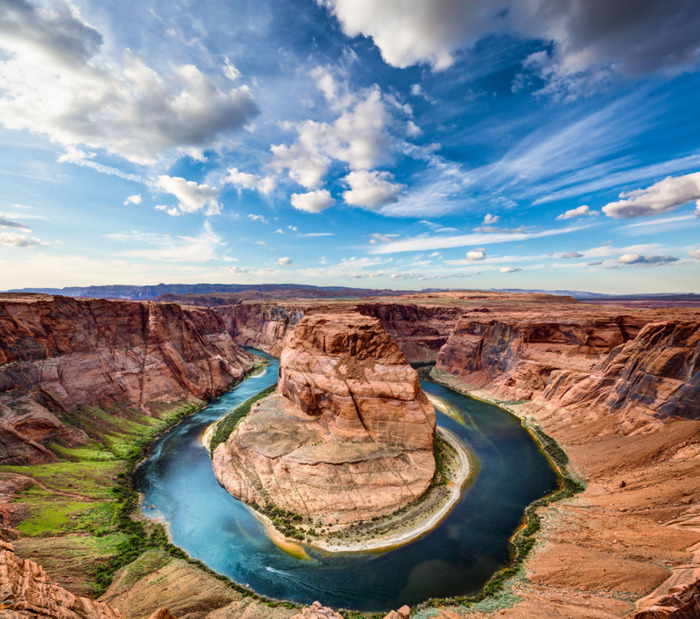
(205, 438)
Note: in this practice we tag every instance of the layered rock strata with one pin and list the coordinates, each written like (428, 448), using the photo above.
(621, 364)
(349, 434)
(59, 354)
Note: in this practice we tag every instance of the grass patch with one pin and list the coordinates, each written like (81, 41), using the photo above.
(442, 453)
(92, 452)
(91, 479)
(230, 421)
(50, 515)
(149, 562)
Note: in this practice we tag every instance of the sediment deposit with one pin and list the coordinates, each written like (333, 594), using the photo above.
(349, 434)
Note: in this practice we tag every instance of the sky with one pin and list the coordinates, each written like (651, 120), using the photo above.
(406, 144)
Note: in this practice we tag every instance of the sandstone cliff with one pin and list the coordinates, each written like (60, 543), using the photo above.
(419, 329)
(59, 354)
(348, 436)
(620, 363)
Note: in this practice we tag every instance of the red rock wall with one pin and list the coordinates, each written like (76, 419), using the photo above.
(617, 363)
(261, 325)
(419, 330)
(58, 354)
(346, 368)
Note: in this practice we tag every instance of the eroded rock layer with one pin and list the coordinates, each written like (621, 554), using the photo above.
(58, 355)
(634, 365)
(349, 434)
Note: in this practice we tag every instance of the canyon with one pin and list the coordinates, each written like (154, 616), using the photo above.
(59, 356)
(347, 437)
(618, 388)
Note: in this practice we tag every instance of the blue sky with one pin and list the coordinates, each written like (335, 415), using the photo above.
(403, 144)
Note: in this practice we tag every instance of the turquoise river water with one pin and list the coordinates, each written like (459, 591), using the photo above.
(454, 559)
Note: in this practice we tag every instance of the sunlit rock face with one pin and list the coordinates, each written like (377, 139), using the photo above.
(349, 433)
(59, 355)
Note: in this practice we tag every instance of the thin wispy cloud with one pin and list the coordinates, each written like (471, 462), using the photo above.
(463, 240)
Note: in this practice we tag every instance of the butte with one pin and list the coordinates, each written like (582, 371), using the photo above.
(348, 435)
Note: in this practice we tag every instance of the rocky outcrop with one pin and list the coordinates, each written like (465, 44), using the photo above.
(317, 611)
(349, 434)
(262, 325)
(420, 330)
(27, 592)
(681, 602)
(59, 354)
(586, 358)
(656, 375)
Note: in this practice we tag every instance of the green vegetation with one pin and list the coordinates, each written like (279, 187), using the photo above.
(228, 424)
(283, 520)
(550, 446)
(442, 453)
(91, 479)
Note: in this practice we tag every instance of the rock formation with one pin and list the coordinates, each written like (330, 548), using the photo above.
(59, 354)
(27, 592)
(348, 435)
(582, 359)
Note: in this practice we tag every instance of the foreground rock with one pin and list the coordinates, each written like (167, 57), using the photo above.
(349, 434)
(59, 355)
(26, 591)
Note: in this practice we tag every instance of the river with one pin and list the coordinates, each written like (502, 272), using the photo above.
(454, 559)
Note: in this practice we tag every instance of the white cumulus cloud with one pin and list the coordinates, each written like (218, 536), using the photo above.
(579, 211)
(358, 137)
(371, 189)
(191, 197)
(313, 201)
(263, 184)
(631, 37)
(476, 254)
(662, 197)
(284, 261)
(12, 239)
(135, 199)
(510, 269)
(54, 82)
(646, 260)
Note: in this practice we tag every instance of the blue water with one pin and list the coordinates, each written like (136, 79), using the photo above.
(454, 559)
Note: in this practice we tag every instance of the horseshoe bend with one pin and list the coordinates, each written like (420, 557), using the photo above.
(348, 437)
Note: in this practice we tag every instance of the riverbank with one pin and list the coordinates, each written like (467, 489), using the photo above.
(394, 530)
